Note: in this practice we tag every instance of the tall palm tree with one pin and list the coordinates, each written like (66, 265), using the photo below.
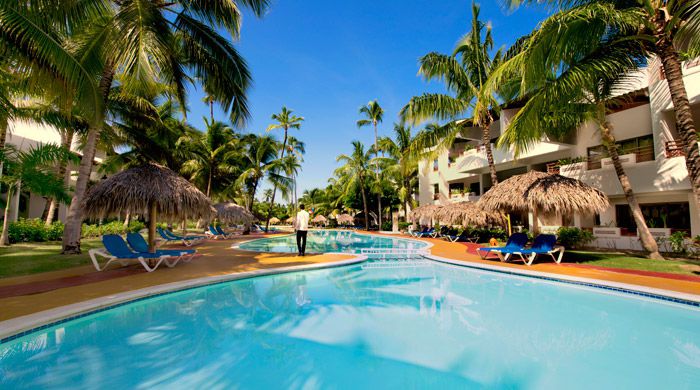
(297, 149)
(578, 89)
(400, 162)
(32, 170)
(215, 156)
(355, 169)
(285, 121)
(374, 114)
(465, 73)
(165, 41)
(663, 28)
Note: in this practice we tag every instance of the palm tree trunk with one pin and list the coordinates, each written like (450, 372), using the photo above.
(4, 238)
(209, 180)
(684, 117)
(364, 203)
(211, 110)
(52, 204)
(486, 140)
(379, 194)
(74, 219)
(127, 219)
(647, 240)
(274, 187)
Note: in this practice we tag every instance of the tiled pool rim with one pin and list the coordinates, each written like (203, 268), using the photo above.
(16, 329)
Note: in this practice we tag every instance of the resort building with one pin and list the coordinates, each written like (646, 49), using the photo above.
(649, 147)
(24, 135)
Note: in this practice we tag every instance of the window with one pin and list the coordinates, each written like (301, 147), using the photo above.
(642, 146)
(436, 191)
(456, 188)
(435, 165)
(657, 215)
(474, 188)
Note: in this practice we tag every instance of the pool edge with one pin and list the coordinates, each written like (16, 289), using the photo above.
(20, 326)
(634, 289)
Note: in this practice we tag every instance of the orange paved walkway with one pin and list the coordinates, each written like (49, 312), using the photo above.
(54, 289)
(217, 258)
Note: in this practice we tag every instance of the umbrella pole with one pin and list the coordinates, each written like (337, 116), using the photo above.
(152, 228)
(509, 227)
(535, 223)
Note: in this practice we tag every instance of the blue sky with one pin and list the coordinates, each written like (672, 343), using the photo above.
(324, 59)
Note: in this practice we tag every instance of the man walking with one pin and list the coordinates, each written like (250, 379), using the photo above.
(301, 225)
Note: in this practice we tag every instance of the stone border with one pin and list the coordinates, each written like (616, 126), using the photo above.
(21, 326)
(626, 288)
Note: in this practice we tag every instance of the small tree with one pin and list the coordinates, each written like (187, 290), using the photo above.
(33, 170)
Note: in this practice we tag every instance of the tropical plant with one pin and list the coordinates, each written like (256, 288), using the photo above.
(32, 170)
(215, 156)
(667, 29)
(401, 164)
(466, 74)
(259, 162)
(355, 169)
(285, 121)
(580, 87)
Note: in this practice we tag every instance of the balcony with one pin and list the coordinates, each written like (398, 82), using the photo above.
(628, 156)
(464, 197)
(474, 160)
(674, 148)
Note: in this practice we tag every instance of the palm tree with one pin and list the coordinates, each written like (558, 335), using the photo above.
(32, 170)
(578, 89)
(374, 114)
(466, 73)
(296, 148)
(259, 161)
(400, 162)
(166, 41)
(285, 121)
(664, 28)
(215, 156)
(354, 169)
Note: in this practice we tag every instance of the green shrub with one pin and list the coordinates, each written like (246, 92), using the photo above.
(404, 225)
(677, 242)
(34, 230)
(115, 227)
(387, 225)
(573, 237)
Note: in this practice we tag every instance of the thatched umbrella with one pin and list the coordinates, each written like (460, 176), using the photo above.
(290, 220)
(344, 219)
(544, 192)
(467, 213)
(149, 189)
(423, 212)
(233, 213)
(319, 219)
(274, 220)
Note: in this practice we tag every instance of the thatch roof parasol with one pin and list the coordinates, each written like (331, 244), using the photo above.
(149, 189)
(345, 219)
(290, 220)
(274, 220)
(423, 212)
(319, 219)
(233, 213)
(466, 214)
(544, 192)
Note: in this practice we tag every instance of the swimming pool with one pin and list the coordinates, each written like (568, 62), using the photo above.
(373, 325)
(324, 241)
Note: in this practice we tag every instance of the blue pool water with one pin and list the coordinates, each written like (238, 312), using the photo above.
(322, 241)
(374, 325)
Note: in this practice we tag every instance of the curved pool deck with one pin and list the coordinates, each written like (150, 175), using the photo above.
(29, 301)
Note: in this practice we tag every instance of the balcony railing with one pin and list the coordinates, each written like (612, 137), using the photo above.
(553, 168)
(674, 148)
(641, 154)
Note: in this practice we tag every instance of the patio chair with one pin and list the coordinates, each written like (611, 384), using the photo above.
(139, 244)
(115, 249)
(462, 237)
(169, 236)
(427, 233)
(221, 231)
(544, 244)
(516, 242)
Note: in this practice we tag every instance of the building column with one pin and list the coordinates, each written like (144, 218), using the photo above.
(694, 210)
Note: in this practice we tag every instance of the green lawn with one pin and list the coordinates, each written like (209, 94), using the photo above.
(626, 261)
(31, 258)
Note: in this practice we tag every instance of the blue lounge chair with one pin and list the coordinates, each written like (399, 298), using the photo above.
(462, 237)
(217, 232)
(516, 242)
(426, 233)
(115, 249)
(139, 244)
(544, 244)
(221, 231)
(169, 236)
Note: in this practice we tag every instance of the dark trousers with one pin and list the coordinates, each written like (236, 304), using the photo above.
(301, 241)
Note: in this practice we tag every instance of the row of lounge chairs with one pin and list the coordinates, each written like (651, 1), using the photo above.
(169, 236)
(447, 233)
(117, 250)
(544, 244)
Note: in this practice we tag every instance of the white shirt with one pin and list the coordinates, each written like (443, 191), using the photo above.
(302, 220)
